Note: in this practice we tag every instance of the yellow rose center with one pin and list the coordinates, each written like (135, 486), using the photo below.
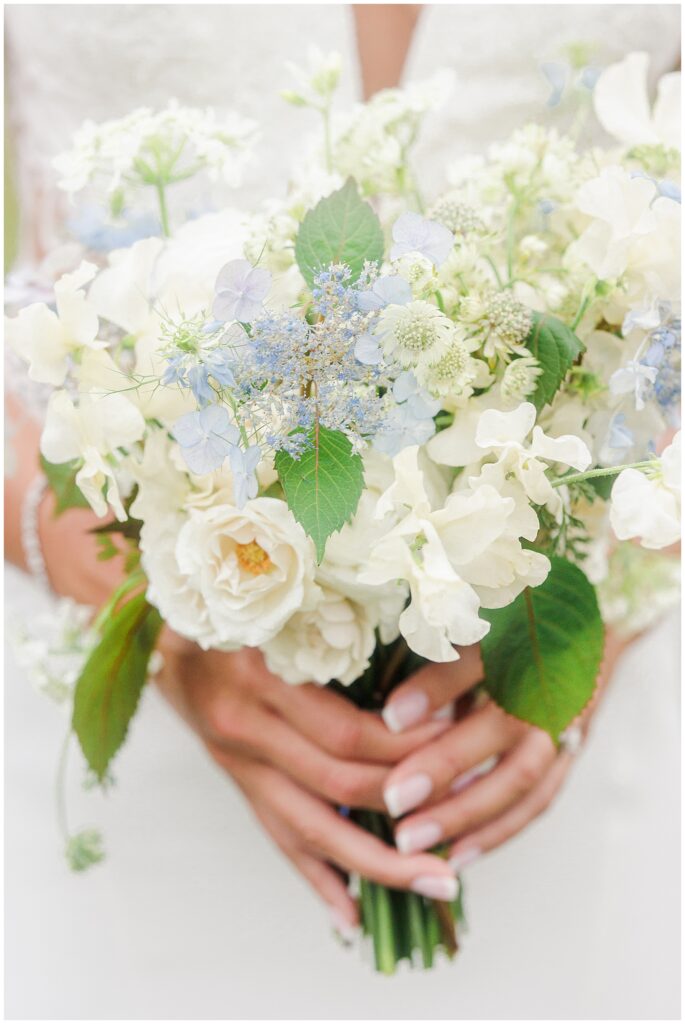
(253, 558)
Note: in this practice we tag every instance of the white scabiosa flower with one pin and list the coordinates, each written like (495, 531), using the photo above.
(232, 577)
(499, 321)
(520, 379)
(333, 640)
(647, 505)
(415, 334)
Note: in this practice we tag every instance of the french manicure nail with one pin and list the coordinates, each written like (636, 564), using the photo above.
(436, 887)
(405, 710)
(342, 926)
(420, 836)
(408, 793)
(460, 860)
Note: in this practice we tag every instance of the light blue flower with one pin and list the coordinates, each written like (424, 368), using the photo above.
(556, 74)
(411, 421)
(219, 366)
(386, 291)
(635, 378)
(620, 434)
(175, 372)
(240, 291)
(669, 189)
(198, 382)
(413, 233)
(244, 469)
(367, 350)
(206, 438)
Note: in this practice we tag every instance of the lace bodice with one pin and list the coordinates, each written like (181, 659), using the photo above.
(70, 63)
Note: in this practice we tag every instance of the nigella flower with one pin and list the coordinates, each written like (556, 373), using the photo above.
(244, 469)
(206, 438)
(413, 233)
(198, 382)
(240, 291)
(556, 74)
(386, 291)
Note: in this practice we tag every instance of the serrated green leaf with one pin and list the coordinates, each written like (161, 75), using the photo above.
(109, 687)
(341, 228)
(556, 348)
(323, 486)
(62, 479)
(543, 652)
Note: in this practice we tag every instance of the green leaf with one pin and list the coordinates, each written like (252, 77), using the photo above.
(556, 348)
(341, 228)
(543, 652)
(62, 479)
(110, 684)
(323, 486)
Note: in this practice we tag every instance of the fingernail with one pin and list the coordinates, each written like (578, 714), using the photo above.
(460, 860)
(462, 781)
(405, 710)
(408, 793)
(420, 836)
(342, 927)
(436, 887)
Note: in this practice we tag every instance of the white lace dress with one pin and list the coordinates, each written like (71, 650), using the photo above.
(195, 914)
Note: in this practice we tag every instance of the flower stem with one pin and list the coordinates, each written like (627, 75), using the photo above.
(60, 787)
(163, 211)
(576, 478)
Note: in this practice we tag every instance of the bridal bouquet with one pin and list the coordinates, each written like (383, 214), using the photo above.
(360, 427)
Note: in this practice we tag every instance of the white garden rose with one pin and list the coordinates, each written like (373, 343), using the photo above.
(333, 640)
(248, 569)
(648, 506)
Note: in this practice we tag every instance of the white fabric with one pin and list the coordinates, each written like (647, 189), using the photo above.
(194, 914)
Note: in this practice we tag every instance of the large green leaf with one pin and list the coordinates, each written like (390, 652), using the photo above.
(62, 479)
(341, 228)
(556, 348)
(323, 486)
(543, 652)
(109, 687)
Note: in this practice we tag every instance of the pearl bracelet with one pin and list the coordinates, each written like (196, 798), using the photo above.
(30, 536)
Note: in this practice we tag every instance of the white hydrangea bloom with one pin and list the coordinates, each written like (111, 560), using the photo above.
(647, 505)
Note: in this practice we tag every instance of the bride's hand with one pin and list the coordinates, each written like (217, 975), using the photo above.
(296, 752)
(483, 780)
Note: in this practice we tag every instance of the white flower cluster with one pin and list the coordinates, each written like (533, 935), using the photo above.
(497, 435)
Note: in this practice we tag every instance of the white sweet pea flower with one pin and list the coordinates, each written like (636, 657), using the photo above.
(92, 432)
(443, 609)
(505, 434)
(45, 339)
(463, 555)
(622, 105)
(647, 505)
(333, 640)
(229, 577)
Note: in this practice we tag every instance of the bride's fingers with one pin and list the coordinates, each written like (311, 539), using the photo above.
(431, 688)
(428, 773)
(262, 734)
(324, 879)
(513, 821)
(323, 832)
(344, 730)
(516, 775)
